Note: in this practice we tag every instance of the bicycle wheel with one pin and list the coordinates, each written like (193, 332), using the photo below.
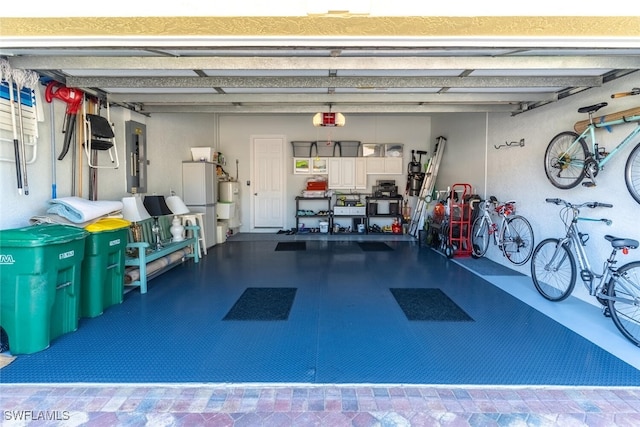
(632, 173)
(564, 161)
(626, 314)
(479, 237)
(553, 270)
(517, 240)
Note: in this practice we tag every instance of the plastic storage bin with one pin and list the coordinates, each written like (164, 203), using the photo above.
(102, 282)
(348, 148)
(302, 148)
(40, 269)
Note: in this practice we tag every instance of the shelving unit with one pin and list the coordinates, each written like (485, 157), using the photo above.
(395, 209)
(317, 201)
(348, 212)
(347, 217)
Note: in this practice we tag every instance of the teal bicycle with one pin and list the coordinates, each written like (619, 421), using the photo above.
(571, 158)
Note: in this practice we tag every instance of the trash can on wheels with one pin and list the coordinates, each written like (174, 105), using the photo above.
(102, 282)
(40, 270)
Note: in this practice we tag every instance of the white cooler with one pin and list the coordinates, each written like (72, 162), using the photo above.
(226, 210)
(221, 231)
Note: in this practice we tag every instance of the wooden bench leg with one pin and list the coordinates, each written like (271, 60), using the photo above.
(143, 279)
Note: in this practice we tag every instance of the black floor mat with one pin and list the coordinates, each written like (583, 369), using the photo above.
(291, 246)
(263, 304)
(374, 246)
(486, 267)
(428, 304)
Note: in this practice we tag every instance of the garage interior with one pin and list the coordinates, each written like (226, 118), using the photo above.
(470, 77)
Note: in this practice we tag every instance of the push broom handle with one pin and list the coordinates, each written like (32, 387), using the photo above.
(16, 143)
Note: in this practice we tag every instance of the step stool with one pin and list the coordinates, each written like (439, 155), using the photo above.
(197, 219)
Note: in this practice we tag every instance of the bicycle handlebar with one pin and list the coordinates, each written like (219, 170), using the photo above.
(587, 204)
(634, 91)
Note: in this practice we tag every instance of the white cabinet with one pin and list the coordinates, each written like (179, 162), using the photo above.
(199, 183)
(384, 165)
(347, 173)
(313, 165)
(361, 173)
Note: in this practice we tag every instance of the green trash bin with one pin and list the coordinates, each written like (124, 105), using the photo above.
(102, 282)
(40, 270)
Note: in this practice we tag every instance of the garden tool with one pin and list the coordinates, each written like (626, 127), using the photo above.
(5, 71)
(28, 79)
(73, 98)
(22, 79)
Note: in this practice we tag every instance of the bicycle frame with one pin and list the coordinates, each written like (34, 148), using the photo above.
(494, 229)
(573, 241)
(590, 132)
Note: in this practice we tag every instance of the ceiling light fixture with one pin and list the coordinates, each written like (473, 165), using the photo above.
(328, 120)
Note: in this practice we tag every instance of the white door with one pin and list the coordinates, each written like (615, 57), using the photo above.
(268, 181)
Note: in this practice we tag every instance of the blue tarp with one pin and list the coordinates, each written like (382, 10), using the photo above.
(26, 94)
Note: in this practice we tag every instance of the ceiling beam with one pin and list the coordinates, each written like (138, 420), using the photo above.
(215, 98)
(354, 109)
(322, 63)
(337, 82)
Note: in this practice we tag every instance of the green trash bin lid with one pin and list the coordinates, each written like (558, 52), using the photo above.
(107, 224)
(40, 235)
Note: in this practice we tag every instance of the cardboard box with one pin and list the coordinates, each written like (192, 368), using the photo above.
(202, 154)
(349, 210)
(317, 185)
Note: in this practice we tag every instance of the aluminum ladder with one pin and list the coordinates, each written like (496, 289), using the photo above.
(426, 191)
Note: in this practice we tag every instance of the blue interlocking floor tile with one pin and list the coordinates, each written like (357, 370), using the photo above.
(344, 327)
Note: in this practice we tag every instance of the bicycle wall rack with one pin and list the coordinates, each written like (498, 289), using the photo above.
(510, 144)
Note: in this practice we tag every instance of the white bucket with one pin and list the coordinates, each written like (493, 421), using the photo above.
(324, 227)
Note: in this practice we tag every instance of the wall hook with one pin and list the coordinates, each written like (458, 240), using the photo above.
(510, 144)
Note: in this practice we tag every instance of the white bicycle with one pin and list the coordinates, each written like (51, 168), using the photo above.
(514, 235)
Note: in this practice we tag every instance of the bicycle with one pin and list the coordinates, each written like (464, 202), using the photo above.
(514, 236)
(553, 270)
(568, 159)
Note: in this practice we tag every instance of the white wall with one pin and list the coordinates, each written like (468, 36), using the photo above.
(464, 154)
(16, 210)
(236, 130)
(527, 171)
(515, 172)
(518, 172)
(169, 141)
(169, 137)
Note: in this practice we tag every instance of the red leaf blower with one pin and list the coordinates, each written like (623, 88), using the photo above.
(73, 98)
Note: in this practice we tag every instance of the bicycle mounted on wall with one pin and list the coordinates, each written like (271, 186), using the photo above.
(569, 159)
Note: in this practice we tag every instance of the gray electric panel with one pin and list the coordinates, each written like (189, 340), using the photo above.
(136, 157)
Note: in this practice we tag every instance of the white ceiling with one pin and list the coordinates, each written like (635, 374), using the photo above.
(349, 79)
